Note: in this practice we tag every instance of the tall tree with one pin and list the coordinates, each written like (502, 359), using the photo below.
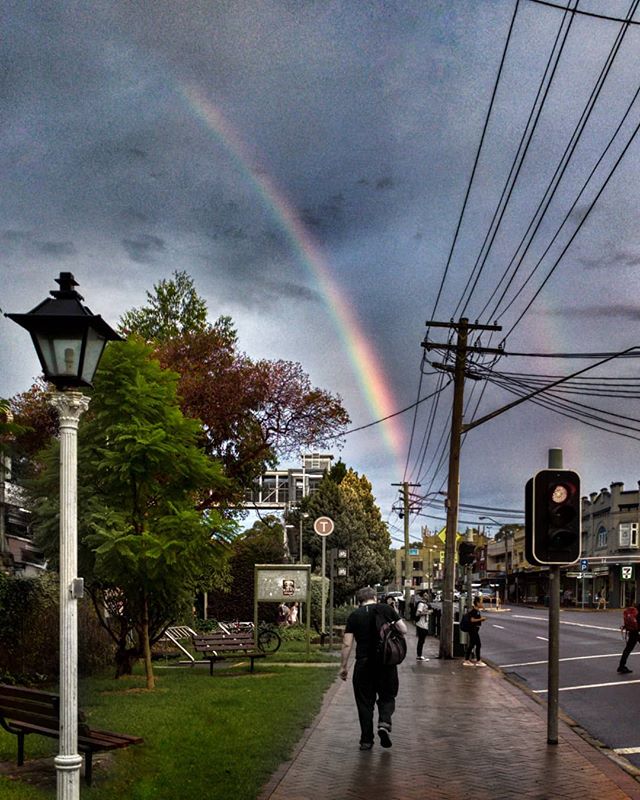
(145, 548)
(172, 309)
(347, 498)
(261, 544)
(253, 413)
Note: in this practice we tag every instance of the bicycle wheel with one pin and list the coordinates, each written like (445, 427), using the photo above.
(269, 641)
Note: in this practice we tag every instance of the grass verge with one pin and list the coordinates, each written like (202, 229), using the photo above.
(212, 737)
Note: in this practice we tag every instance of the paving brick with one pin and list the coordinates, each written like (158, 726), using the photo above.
(444, 712)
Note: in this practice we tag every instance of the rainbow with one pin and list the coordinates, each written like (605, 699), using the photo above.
(364, 360)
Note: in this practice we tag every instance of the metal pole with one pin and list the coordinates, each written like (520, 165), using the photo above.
(324, 588)
(332, 554)
(555, 462)
(407, 574)
(300, 559)
(70, 406)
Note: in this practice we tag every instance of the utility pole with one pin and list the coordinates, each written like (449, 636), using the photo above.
(405, 514)
(461, 349)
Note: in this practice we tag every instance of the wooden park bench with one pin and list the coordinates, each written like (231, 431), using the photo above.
(24, 711)
(220, 646)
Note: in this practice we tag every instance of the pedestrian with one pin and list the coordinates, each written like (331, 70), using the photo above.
(373, 682)
(293, 613)
(283, 614)
(475, 621)
(422, 623)
(630, 616)
(391, 601)
(602, 601)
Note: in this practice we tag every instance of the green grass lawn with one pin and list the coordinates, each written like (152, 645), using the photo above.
(206, 737)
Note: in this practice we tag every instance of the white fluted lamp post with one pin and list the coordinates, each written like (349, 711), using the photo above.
(69, 341)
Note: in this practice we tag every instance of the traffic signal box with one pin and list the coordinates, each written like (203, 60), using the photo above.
(553, 517)
(466, 553)
(340, 562)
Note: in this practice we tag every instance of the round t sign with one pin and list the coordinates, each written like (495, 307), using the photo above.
(323, 526)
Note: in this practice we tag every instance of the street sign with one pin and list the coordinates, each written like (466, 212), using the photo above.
(626, 573)
(323, 526)
(579, 574)
(584, 564)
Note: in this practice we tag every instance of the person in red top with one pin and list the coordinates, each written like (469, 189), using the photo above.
(631, 627)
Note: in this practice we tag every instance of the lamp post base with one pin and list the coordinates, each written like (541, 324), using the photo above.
(68, 776)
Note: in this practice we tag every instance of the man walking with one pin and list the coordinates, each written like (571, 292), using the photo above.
(372, 680)
(631, 629)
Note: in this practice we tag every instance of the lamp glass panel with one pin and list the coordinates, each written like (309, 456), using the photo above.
(61, 354)
(94, 347)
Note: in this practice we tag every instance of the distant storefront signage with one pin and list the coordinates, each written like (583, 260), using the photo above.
(626, 572)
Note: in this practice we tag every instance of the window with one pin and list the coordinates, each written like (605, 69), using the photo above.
(601, 537)
(628, 534)
(417, 566)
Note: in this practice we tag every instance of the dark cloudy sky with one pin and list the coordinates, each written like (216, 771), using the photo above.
(256, 144)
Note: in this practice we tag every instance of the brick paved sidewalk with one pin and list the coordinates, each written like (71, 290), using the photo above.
(459, 733)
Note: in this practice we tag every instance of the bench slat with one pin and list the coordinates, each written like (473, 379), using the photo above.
(24, 711)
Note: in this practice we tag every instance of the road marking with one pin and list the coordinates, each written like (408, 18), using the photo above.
(569, 658)
(588, 686)
(498, 626)
(563, 622)
(544, 638)
(626, 751)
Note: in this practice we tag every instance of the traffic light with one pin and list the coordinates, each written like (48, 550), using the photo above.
(341, 563)
(553, 517)
(466, 553)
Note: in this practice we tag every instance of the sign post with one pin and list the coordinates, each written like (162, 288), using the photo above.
(323, 526)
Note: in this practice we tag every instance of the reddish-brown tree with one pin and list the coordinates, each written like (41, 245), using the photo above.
(252, 412)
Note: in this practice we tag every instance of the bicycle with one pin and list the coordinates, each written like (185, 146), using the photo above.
(268, 639)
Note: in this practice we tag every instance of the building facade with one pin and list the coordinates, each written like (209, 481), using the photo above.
(282, 488)
(18, 553)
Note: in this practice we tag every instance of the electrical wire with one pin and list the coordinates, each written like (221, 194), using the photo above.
(476, 160)
(520, 156)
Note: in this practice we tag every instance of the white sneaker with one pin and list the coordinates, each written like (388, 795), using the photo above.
(421, 658)
(480, 664)
(467, 664)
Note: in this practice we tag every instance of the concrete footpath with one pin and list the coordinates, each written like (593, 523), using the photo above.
(458, 733)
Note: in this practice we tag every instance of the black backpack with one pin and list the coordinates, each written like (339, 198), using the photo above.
(392, 645)
(465, 624)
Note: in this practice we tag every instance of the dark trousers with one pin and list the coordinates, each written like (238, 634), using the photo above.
(474, 643)
(373, 682)
(632, 641)
(421, 633)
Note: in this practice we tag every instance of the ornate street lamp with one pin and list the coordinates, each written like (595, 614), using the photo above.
(68, 338)
(69, 341)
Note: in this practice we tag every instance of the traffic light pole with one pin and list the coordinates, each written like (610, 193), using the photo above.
(553, 678)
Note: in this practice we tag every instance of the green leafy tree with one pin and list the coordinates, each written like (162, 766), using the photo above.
(252, 412)
(260, 544)
(173, 308)
(145, 549)
(347, 498)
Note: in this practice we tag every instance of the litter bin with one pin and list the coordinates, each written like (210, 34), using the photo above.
(460, 639)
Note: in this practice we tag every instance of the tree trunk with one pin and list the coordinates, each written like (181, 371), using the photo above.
(146, 645)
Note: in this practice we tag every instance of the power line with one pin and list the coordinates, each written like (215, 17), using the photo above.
(519, 158)
(477, 158)
(561, 168)
(582, 13)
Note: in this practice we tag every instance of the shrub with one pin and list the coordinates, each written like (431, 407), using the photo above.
(29, 635)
